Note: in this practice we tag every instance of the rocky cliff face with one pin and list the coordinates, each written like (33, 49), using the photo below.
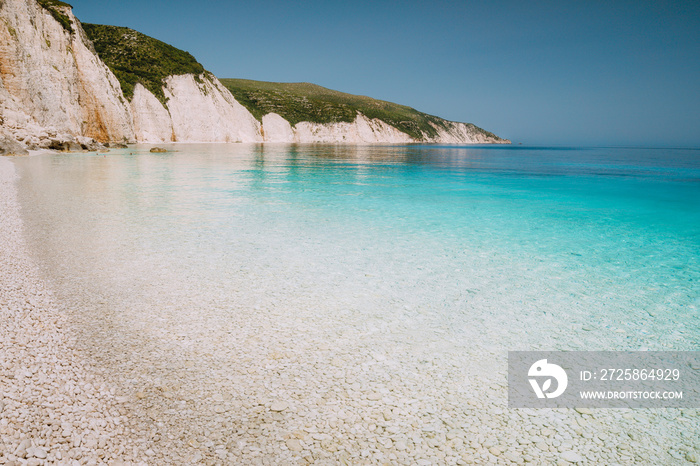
(197, 110)
(463, 133)
(151, 120)
(362, 130)
(56, 92)
(367, 131)
(52, 85)
(205, 111)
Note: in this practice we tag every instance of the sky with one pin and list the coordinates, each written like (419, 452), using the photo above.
(617, 73)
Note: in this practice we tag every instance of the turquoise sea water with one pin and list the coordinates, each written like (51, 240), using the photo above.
(505, 248)
(207, 283)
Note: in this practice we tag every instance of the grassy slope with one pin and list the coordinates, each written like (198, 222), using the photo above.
(137, 58)
(297, 102)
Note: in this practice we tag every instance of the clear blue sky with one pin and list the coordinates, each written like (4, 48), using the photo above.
(537, 72)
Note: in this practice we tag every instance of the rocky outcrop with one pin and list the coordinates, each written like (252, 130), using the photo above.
(198, 109)
(51, 80)
(10, 146)
(463, 133)
(362, 130)
(367, 131)
(277, 129)
(203, 110)
(151, 120)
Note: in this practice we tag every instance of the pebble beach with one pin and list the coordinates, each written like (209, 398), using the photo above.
(267, 387)
(53, 409)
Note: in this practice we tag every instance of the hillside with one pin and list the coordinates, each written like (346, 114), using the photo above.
(118, 85)
(297, 102)
(137, 58)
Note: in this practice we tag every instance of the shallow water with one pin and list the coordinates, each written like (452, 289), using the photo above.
(418, 265)
(524, 246)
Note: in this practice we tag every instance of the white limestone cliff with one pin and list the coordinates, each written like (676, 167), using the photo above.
(205, 111)
(362, 130)
(462, 133)
(366, 131)
(277, 129)
(55, 92)
(197, 110)
(152, 121)
(51, 81)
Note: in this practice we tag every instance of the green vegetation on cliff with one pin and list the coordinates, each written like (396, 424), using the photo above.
(57, 9)
(137, 58)
(296, 102)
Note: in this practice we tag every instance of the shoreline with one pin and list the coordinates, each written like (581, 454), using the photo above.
(147, 144)
(169, 388)
(53, 408)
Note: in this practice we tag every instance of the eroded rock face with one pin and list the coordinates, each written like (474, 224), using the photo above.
(361, 131)
(52, 79)
(277, 129)
(463, 133)
(54, 89)
(203, 110)
(56, 93)
(9, 146)
(198, 109)
(151, 120)
(365, 131)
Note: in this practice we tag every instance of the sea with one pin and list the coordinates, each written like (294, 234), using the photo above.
(527, 245)
(422, 254)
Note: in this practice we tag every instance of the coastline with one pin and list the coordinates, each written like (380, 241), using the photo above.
(267, 386)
